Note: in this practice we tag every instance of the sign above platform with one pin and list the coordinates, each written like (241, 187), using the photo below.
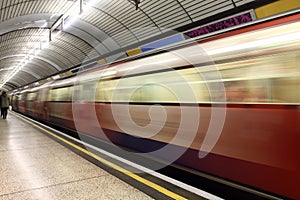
(222, 24)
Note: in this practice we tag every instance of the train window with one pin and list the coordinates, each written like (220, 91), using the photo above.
(286, 90)
(22, 96)
(43, 94)
(61, 94)
(105, 89)
(262, 79)
(31, 96)
(169, 88)
(249, 91)
(86, 91)
(76, 92)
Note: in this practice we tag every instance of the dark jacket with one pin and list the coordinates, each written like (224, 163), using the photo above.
(4, 101)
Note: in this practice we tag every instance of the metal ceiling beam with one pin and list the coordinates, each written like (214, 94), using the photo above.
(27, 21)
(60, 21)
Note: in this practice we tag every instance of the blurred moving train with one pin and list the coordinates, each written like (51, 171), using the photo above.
(252, 71)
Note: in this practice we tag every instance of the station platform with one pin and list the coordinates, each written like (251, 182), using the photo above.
(34, 166)
(36, 163)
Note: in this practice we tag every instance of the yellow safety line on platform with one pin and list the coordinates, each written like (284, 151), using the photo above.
(112, 165)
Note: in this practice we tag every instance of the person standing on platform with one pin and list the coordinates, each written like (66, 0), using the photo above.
(5, 102)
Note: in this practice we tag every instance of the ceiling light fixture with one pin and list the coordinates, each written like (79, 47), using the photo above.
(72, 13)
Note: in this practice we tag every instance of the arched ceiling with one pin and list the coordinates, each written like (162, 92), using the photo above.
(39, 38)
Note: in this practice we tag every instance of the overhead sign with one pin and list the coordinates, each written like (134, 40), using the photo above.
(222, 24)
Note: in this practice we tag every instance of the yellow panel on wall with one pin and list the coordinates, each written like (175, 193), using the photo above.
(135, 51)
(276, 8)
(69, 73)
(102, 61)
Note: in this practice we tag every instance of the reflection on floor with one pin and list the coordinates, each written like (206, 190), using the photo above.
(32, 166)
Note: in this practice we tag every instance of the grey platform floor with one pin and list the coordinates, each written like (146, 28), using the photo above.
(33, 166)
